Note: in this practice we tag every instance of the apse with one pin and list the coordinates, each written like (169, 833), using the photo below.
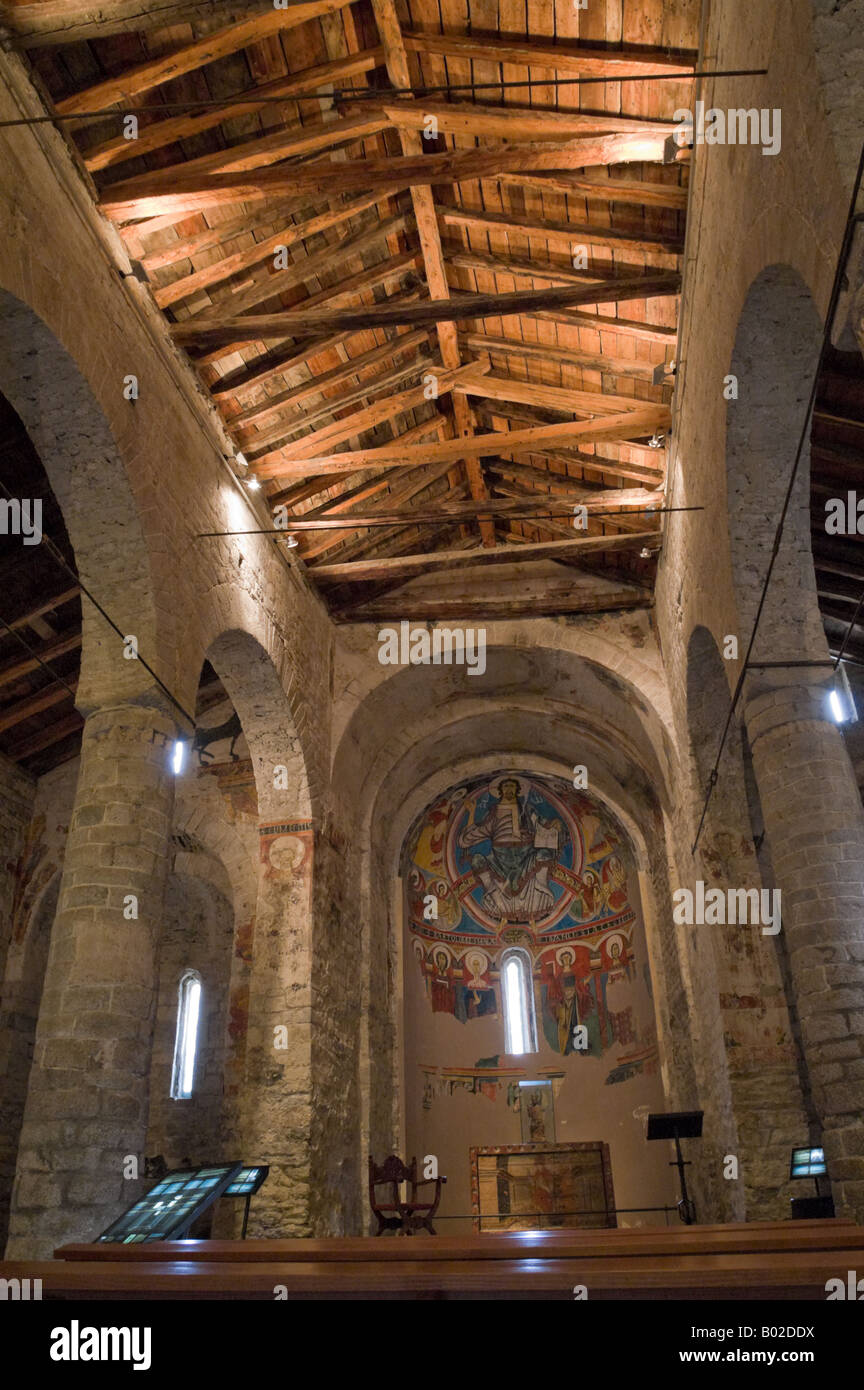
(528, 1012)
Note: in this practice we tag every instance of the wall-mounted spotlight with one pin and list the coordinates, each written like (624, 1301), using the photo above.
(252, 484)
(656, 441)
(841, 703)
(178, 756)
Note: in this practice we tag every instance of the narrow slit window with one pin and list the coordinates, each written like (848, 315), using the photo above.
(186, 1041)
(516, 987)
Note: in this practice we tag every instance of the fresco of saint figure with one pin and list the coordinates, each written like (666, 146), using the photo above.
(515, 849)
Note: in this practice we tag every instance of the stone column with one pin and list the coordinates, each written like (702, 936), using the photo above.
(87, 1103)
(278, 1093)
(815, 828)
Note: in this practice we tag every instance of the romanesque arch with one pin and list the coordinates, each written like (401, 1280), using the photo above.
(69, 430)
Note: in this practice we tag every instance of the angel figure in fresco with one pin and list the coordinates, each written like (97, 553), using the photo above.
(519, 848)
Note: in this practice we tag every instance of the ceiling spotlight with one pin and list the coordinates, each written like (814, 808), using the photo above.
(656, 441)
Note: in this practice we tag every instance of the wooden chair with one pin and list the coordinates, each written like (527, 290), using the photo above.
(395, 1215)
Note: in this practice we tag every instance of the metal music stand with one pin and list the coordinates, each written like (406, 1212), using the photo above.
(684, 1124)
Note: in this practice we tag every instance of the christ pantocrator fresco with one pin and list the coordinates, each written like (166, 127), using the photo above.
(530, 861)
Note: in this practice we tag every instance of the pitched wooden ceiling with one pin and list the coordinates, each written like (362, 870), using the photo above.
(430, 321)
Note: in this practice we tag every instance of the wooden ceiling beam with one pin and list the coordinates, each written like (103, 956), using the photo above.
(638, 192)
(565, 234)
(38, 23)
(589, 463)
(365, 487)
(438, 562)
(570, 401)
(154, 195)
(48, 605)
(221, 43)
(411, 486)
(518, 505)
(663, 283)
(533, 601)
(553, 355)
(631, 425)
(483, 121)
(216, 331)
(176, 128)
(288, 142)
(253, 255)
(584, 59)
(604, 323)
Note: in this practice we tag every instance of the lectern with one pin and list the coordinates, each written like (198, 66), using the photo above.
(683, 1124)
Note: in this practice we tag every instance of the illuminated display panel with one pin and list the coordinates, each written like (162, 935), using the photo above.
(169, 1209)
(247, 1181)
(808, 1163)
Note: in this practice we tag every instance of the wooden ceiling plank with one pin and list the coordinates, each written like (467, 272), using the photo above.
(47, 737)
(242, 260)
(359, 421)
(429, 235)
(309, 267)
(294, 322)
(393, 270)
(34, 704)
(176, 128)
(394, 347)
(14, 670)
(278, 432)
(167, 66)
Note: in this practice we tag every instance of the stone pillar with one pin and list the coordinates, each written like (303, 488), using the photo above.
(87, 1103)
(815, 828)
(278, 1093)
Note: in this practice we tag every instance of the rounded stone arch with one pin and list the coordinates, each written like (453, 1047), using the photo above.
(79, 453)
(20, 1000)
(773, 361)
(269, 718)
(837, 29)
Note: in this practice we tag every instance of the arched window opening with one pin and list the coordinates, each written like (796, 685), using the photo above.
(520, 1027)
(186, 1041)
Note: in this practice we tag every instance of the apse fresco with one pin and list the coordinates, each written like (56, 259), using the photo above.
(527, 861)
